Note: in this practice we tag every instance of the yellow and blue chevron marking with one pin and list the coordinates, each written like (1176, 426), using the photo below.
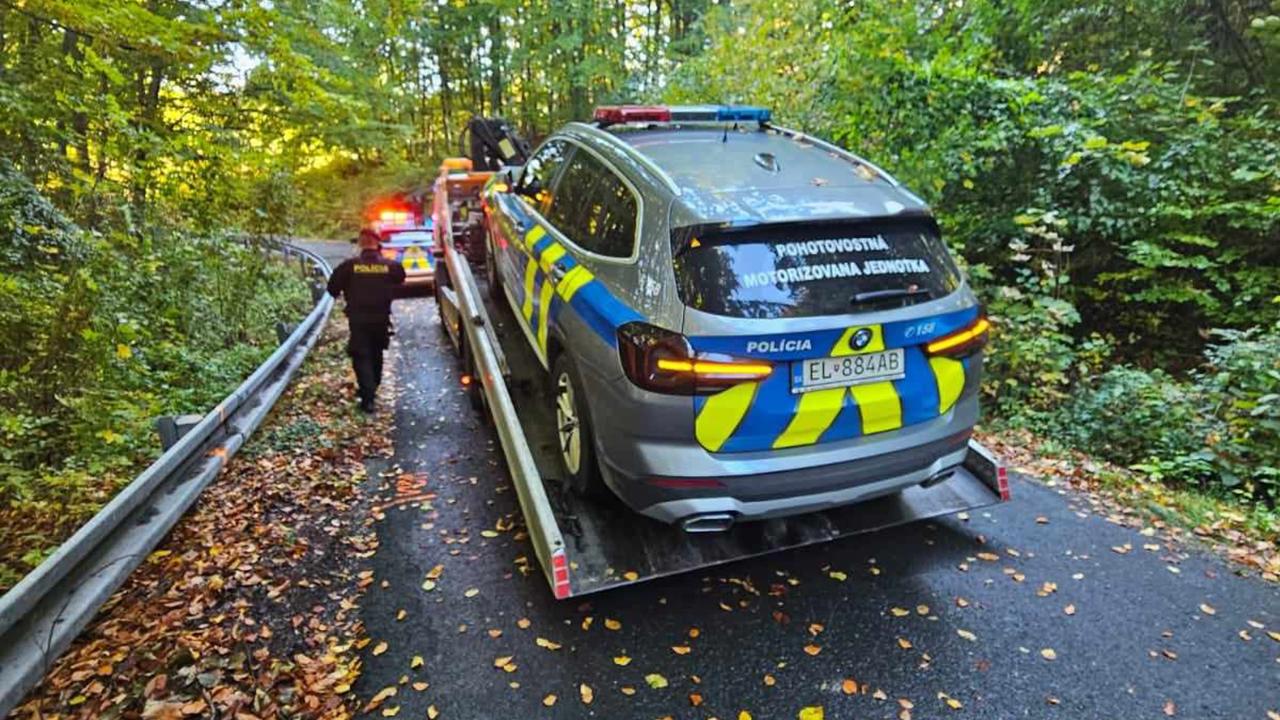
(578, 288)
(767, 415)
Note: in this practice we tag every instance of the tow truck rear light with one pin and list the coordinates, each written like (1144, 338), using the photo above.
(663, 361)
(962, 342)
(609, 114)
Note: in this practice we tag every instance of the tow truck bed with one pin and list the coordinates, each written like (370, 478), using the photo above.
(586, 546)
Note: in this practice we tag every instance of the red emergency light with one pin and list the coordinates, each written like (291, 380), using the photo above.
(609, 114)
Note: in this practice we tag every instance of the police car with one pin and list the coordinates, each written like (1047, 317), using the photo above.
(408, 240)
(740, 321)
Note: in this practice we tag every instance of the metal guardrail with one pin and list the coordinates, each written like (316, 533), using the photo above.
(43, 614)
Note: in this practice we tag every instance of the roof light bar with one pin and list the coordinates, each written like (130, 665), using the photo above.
(611, 114)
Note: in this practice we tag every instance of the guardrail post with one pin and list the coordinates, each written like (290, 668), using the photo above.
(317, 291)
(283, 331)
(171, 428)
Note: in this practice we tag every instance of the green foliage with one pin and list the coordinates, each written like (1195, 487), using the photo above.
(101, 334)
(1218, 429)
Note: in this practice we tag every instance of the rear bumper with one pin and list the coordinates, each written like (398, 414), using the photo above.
(803, 490)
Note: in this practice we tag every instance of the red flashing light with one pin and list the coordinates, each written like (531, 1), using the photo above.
(609, 114)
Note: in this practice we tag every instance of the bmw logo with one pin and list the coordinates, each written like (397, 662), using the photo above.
(861, 338)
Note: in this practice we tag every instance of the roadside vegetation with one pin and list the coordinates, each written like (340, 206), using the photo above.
(1109, 172)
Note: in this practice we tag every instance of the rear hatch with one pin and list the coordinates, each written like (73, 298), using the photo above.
(843, 311)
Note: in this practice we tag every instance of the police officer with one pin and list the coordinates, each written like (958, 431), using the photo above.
(369, 282)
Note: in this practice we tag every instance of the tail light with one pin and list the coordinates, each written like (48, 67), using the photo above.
(663, 361)
(965, 341)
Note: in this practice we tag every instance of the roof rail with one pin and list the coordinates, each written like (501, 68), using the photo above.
(629, 151)
(836, 149)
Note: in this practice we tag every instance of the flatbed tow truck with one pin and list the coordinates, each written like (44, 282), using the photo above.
(587, 545)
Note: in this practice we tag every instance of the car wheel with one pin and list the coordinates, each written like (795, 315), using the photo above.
(573, 430)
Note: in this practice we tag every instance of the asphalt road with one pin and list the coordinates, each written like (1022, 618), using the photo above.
(1134, 628)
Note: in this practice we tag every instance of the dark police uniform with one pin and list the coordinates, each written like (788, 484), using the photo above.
(368, 281)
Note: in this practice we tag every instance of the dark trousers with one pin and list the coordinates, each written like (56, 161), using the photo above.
(366, 345)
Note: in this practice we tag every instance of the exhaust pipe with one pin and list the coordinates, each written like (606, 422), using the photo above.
(707, 523)
(944, 475)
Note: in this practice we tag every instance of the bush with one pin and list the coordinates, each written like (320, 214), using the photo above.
(100, 334)
(1218, 430)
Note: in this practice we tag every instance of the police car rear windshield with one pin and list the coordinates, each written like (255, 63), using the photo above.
(813, 270)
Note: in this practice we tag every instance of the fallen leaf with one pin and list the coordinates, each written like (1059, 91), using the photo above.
(904, 643)
(744, 715)
(899, 612)
(815, 629)
(627, 690)
(631, 575)
(612, 624)
(380, 648)
(837, 575)
(1208, 609)
(434, 573)
(495, 633)
(622, 660)
(545, 643)
(586, 693)
(523, 623)
(813, 712)
(812, 649)
(681, 649)
(432, 712)
(1273, 635)
(770, 680)
(961, 602)
(420, 686)
(428, 585)
(1048, 654)
(391, 711)
(922, 609)
(655, 681)
(694, 633)
(502, 661)
(695, 699)
(549, 700)
(417, 662)
(1069, 609)
(989, 557)
(967, 635)
(849, 686)
(472, 592)
(401, 615)
(1170, 709)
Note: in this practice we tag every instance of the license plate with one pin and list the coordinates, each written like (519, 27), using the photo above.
(832, 372)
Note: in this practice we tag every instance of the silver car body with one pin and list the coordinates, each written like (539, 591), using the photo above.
(744, 454)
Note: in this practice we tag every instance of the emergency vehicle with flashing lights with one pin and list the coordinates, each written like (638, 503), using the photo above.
(406, 238)
(740, 321)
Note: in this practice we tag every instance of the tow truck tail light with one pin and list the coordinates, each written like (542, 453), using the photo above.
(963, 342)
(663, 361)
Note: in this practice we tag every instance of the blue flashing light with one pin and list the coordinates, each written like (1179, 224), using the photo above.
(743, 113)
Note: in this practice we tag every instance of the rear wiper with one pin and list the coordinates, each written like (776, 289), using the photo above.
(871, 296)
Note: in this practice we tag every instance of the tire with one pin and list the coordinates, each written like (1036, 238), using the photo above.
(574, 431)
